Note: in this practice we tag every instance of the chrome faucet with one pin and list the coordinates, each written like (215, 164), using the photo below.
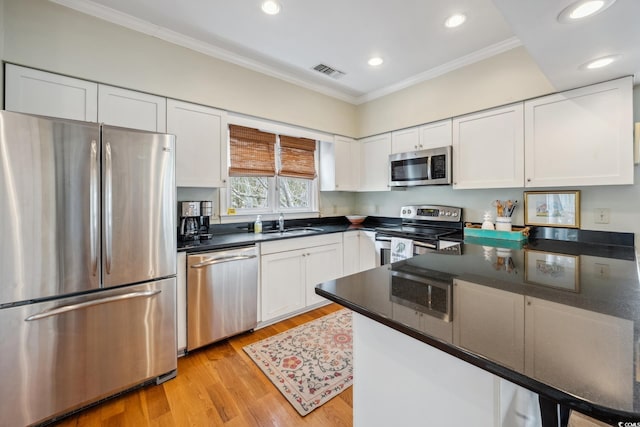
(281, 222)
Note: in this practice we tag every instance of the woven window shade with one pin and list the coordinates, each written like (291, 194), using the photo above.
(252, 152)
(297, 157)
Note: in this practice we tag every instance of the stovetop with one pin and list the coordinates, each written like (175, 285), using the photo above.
(426, 222)
(417, 232)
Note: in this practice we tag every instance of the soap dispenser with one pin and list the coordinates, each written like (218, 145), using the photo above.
(257, 226)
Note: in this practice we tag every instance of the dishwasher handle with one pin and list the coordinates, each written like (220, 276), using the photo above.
(222, 259)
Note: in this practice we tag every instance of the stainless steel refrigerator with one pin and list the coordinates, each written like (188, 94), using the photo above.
(88, 263)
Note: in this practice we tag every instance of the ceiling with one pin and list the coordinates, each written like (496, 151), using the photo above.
(409, 35)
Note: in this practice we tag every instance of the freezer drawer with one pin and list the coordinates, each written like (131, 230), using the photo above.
(64, 354)
(222, 295)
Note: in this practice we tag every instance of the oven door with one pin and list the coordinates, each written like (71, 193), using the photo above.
(383, 248)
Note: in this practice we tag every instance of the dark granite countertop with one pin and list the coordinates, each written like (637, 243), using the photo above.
(573, 341)
(235, 235)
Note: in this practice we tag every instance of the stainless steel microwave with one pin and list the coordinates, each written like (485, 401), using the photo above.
(424, 167)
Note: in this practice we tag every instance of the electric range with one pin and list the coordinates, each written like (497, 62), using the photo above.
(427, 226)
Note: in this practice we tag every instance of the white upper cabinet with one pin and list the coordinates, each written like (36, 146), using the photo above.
(339, 164)
(581, 137)
(405, 140)
(131, 109)
(488, 149)
(432, 135)
(435, 135)
(48, 94)
(200, 140)
(374, 168)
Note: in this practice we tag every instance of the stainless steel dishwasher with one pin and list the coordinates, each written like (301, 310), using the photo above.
(222, 295)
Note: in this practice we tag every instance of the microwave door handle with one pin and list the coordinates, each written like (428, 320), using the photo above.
(429, 168)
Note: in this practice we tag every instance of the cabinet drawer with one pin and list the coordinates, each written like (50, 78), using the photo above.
(300, 243)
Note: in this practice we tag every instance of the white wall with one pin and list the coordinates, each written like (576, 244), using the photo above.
(51, 37)
(502, 79)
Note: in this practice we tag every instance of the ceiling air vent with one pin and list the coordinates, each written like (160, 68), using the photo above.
(331, 72)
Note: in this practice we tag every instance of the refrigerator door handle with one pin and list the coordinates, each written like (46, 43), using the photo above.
(108, 206)
(93, 201)
(220, 260)
(72, 307)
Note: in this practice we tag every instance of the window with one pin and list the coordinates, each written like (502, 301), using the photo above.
(270, 173)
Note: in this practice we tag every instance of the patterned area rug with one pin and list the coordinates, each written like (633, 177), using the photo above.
(311, 363)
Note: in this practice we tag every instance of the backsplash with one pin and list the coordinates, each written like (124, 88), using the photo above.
(623, 202)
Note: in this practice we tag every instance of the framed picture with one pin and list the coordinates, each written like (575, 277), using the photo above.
(552, 208)
(554, 270)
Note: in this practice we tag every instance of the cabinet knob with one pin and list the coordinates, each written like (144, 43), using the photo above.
(528, 179)
(415, 146)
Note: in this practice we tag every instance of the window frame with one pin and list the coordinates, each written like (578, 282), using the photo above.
(273, 209)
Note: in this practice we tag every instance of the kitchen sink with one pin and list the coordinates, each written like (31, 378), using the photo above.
(295, 230)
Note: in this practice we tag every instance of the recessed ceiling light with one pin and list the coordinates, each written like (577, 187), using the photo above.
(582, 9)
(601, 62)
(455, 20)
(375, 61)
(271, 7)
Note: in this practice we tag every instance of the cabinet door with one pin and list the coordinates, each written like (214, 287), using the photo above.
(181, 310)
(488, 149)
(199, 135)
(47, 94)
(405, 140)
(283, 283)
(322, 263)
(131, 109)
(339, 164)
(489, 322)
(374, 172)
(351, 251)
(369, 256)
(581, 137)
(591, 351)
(436, 135)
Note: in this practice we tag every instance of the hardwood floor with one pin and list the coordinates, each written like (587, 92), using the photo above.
(218, 386)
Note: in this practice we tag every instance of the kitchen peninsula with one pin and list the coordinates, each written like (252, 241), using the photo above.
(490, 337)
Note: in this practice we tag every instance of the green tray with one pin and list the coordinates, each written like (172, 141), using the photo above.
(495, 243)
(517, 235)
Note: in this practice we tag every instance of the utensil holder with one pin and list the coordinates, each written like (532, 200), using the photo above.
(503, 223)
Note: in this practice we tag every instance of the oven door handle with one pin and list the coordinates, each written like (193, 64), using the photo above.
(425, 245)
(383, 239)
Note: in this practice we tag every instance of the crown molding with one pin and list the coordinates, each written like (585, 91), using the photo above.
(124, 20)
(463, 61)
(110, 15)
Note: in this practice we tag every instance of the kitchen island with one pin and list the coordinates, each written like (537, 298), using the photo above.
(496, 336)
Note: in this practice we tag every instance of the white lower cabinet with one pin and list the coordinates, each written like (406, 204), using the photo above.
(359, 251)
(290, 270)
(592, 351)
(283, 284)
(490, 322)
(181, 302)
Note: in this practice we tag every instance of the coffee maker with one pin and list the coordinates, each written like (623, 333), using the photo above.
(206, 210)
(189, 221)
(195, 218)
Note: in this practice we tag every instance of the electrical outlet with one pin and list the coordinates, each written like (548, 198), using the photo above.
(601, 216)
(377, 209)
(601, 270)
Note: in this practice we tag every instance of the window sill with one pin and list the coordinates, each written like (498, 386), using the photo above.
(228, 219)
